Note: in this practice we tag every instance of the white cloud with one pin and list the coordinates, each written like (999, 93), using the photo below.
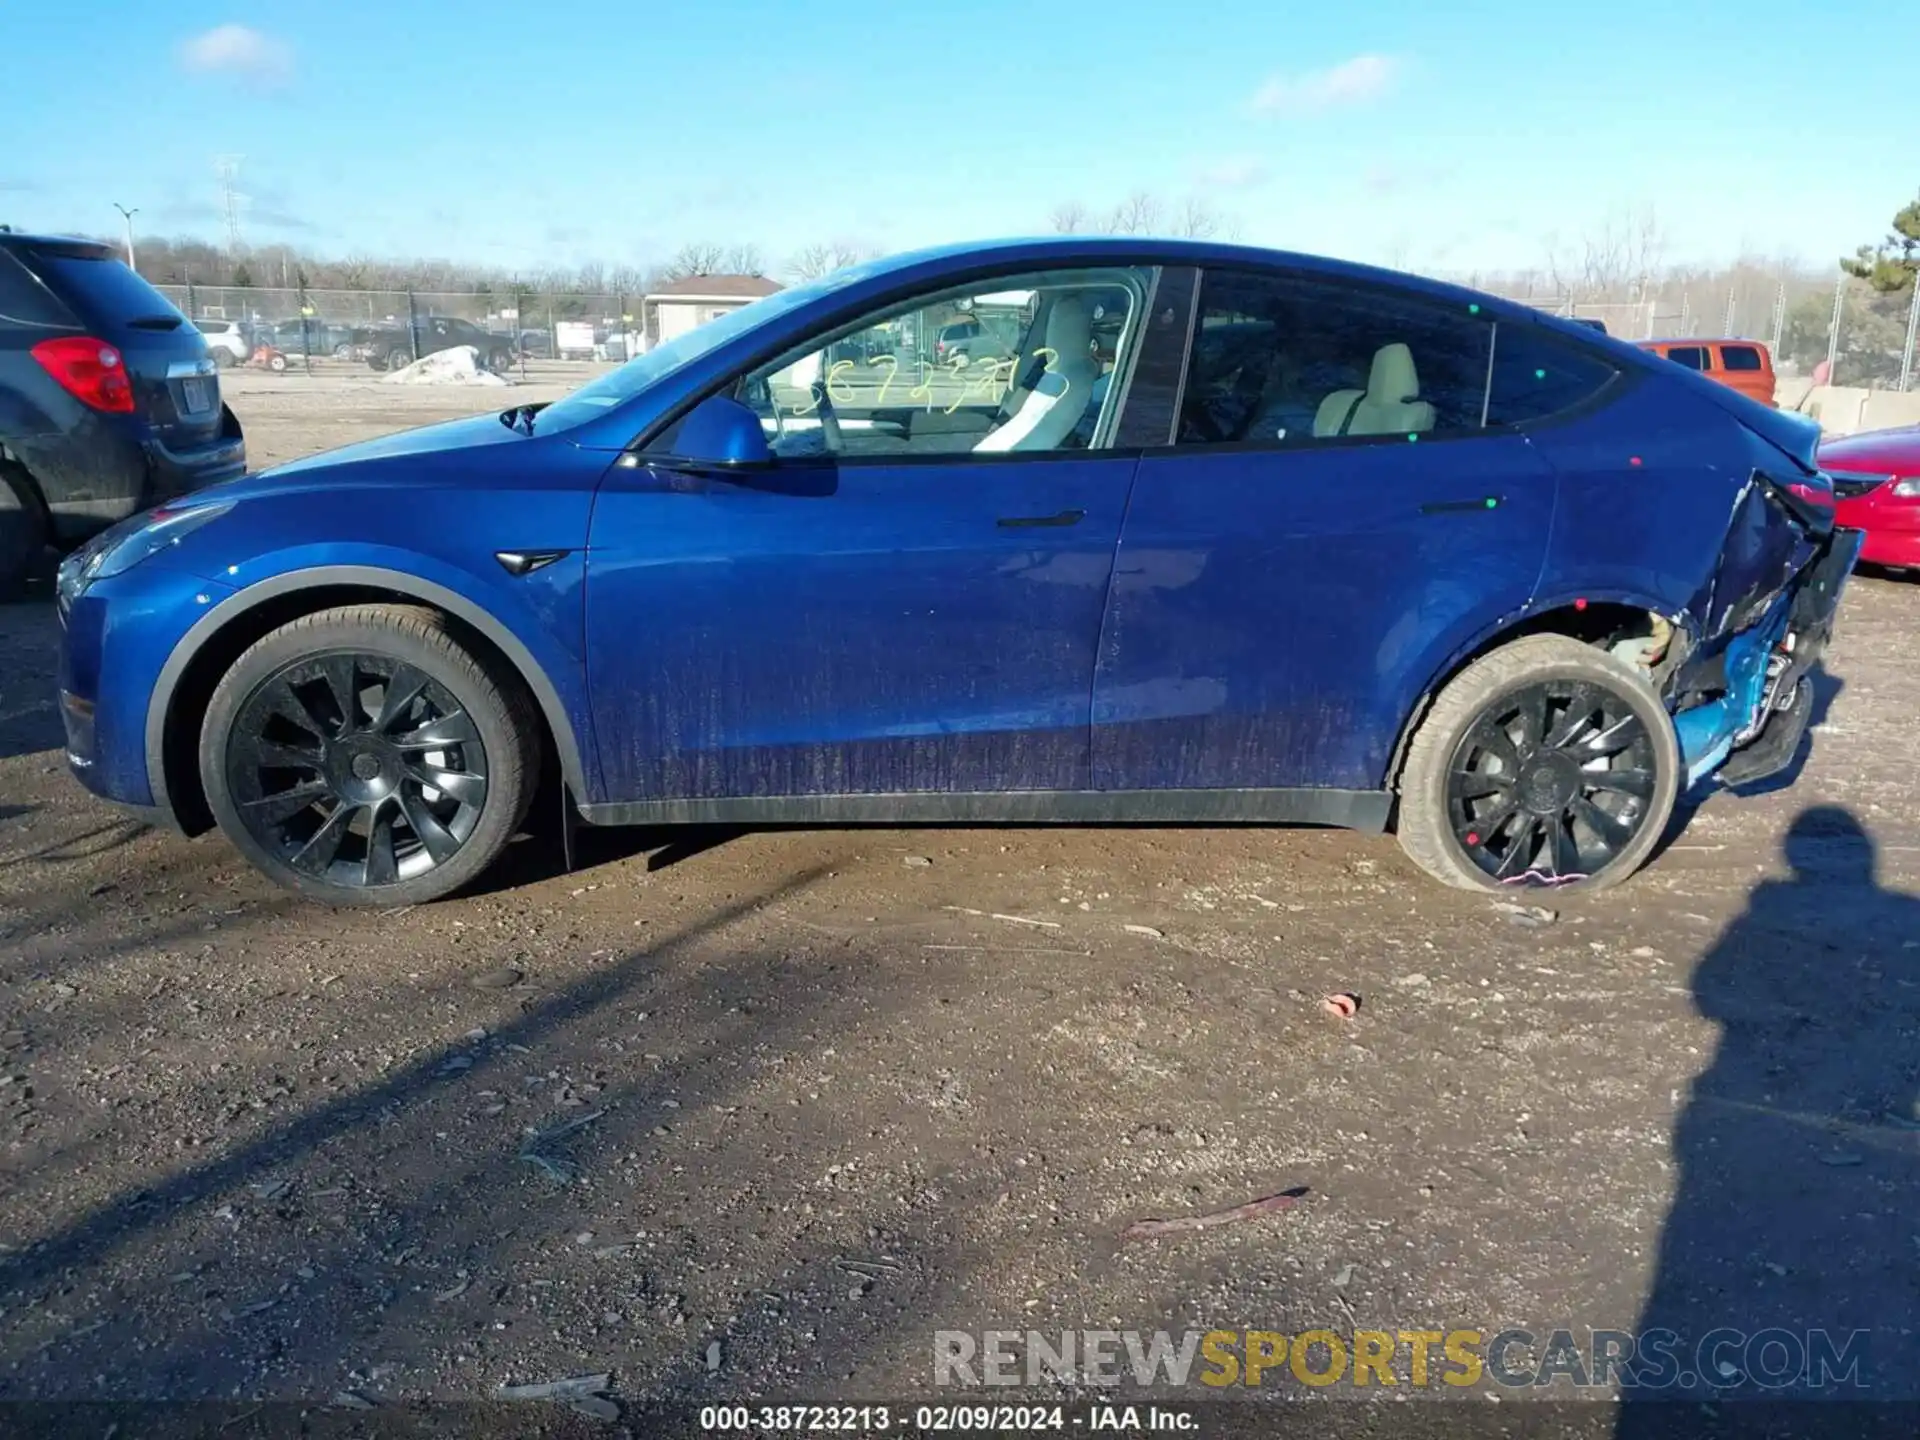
(1233, 172)
(1351, 82)
(238, 50)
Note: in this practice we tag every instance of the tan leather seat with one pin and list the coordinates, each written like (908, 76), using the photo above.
(1390, 405)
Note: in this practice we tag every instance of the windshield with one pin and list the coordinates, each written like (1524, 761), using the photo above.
(615, 388)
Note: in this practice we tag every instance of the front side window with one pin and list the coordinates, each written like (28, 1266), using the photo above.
(1015, 366)
(1299, 360)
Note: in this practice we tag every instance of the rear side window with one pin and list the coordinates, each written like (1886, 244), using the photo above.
(1282, 359)
(1694, 357)
(1739, 357)
(24, 301)
(1536, 375)
(107, 294)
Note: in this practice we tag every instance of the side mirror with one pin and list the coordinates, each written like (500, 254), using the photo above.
(722, 434)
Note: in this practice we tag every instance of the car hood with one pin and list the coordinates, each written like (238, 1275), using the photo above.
(474, 432)
(1895, 451)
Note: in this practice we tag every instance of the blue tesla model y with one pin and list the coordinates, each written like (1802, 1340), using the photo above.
(1210, 534)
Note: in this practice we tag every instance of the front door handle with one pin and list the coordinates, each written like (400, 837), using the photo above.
(1445, 507)
(1027, 522)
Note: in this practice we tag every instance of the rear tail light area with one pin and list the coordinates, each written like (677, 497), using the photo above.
(91, 371)
(1817, 491)
(1852, 484)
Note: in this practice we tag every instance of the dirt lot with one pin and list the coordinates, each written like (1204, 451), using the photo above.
(809, 1096)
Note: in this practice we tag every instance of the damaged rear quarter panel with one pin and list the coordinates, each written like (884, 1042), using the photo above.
(1658, 508)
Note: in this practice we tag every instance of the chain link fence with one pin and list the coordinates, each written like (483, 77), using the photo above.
(384, 329)
(1864, 338)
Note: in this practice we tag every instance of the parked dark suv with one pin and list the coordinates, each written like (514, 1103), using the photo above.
(388, 347)
(109, 400)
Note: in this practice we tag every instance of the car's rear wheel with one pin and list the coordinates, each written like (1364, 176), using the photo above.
(398, 359)
(23, 530)
(362, 756)
(343, 352)
(1546, 762)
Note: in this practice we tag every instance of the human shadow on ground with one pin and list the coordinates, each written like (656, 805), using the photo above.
(1788, 1267)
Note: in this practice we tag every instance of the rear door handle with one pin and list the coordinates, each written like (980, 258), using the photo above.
(1447, 507)
(1027, 522)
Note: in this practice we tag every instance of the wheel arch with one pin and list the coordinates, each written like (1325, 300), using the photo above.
(187, 680)
(1590, 618)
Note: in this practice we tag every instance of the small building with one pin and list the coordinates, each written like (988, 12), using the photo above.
(676, 308)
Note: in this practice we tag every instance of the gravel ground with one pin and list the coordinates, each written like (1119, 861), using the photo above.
(810, 1095)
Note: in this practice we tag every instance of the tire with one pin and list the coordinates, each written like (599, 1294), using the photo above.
(343, 352)
(278, 364)
(1480, 815)
(276, 728)
(222, 358)
(23, 530)
(500, 362)
(398, 359)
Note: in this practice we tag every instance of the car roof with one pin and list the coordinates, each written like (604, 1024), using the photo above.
(1140, 249)
(64, 244)
(1703, 340)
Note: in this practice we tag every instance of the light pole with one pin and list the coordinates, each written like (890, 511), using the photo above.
(127, 215)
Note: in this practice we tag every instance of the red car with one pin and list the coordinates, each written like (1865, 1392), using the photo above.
(1876, 488)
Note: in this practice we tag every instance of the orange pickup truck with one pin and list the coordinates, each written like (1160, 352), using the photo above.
(1744, 365)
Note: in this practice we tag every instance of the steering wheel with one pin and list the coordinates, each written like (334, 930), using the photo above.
(829, 421)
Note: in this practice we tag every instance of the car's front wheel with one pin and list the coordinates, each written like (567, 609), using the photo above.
(363, 756)
(398, 359)
(1545, 762)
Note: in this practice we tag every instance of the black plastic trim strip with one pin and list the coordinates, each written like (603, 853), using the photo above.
(1345, 809)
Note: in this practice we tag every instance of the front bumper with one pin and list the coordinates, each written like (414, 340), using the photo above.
(1891, 520)
(117, 637)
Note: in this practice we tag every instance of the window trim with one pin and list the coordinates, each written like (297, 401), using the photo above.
(901, 302)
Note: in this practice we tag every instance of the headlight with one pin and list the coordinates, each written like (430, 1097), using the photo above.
(1908, 488)
(120, 548)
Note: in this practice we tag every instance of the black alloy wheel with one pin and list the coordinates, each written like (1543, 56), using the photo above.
(1547, 761)
(1552, 783)
(356, 770)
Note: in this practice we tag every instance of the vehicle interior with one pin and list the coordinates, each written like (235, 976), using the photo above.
(1282, 362)
(876, 392)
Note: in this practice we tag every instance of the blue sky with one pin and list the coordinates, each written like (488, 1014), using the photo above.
(1457, 136)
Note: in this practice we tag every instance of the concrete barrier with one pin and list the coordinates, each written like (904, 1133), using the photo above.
(1848, 409)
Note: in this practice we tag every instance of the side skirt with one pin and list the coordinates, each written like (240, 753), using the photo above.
(1347, 809)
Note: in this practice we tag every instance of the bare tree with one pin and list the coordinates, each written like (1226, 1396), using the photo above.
(745, 260)
(813, 261)
(699, 258)
(1068, 218)
(1615, 260)
(1138, 214)
(1197, 220)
